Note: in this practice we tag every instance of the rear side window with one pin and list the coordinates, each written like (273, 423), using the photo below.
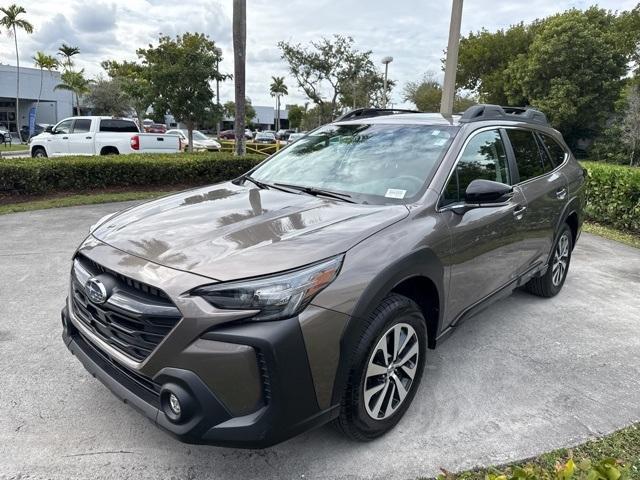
(556, 151)
(82, 125)
(528, 156)
(484, 158)
(125, 126)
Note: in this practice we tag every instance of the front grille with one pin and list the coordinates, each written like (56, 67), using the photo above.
(135, 318)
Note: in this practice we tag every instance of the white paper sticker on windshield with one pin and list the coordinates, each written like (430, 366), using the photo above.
(395, 193)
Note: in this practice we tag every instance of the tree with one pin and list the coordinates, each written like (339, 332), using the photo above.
(330, 65)
(134, 82)
(179, 71)
(44, 62)
(630, 125)
(67, 52)
(107, 97)
(278, 89)
(296, 113)
(229, 110)
(12, 23)
(365, 91)
(573, 70)
(426, 94)
(239, 61)
(570, 65)
(76, 83)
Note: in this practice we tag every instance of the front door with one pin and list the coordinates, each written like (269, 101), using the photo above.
(485, 242)
(58, 141)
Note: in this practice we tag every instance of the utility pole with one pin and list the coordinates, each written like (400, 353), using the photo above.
(239, 59)
(219, 54)
(386, 61)
(449, 87)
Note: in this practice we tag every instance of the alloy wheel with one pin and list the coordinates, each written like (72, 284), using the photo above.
(390, 371)
(560, 260)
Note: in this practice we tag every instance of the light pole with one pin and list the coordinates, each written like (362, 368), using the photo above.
(218, 56)
(449, 86)
(385, 61)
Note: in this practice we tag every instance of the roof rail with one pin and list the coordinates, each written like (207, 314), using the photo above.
(371, 112)
(479, 113)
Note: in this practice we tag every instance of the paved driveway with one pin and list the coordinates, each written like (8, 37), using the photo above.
(525, 376)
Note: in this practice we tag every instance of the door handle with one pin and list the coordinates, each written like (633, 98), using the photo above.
(561, 194)
(88, 138)
(65, 138)
(518, 212)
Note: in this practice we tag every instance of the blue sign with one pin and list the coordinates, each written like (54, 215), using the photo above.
(32, 121)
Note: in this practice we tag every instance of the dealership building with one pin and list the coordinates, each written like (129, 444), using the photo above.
(55, 105)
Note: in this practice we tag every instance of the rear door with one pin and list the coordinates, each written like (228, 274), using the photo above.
(81, 141)
(545, 189)
(486, 242)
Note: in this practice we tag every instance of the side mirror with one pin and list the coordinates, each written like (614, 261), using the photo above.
(49, 129)
(481, 192)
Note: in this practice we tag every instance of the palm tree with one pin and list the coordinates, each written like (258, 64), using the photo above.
(67, 51)
(43, 62)
(76, 83)
(12, 23)
(239, 58)
(278, 89)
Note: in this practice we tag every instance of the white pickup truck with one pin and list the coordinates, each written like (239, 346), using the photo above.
(99, 136)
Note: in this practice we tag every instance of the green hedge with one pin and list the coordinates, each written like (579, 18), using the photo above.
(613, 195)
(32, 176)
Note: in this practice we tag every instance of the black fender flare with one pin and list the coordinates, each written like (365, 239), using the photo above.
(419, 263)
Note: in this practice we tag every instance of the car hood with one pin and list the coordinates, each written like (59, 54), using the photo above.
(228, 232)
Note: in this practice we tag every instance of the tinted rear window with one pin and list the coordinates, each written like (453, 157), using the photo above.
(126, 126)
(527, 153)
(556, 151)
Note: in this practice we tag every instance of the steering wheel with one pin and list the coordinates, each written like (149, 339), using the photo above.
(414, 182)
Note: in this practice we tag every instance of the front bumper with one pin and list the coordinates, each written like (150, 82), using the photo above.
(289, 404)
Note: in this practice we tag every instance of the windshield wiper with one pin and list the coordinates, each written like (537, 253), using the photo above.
(345, 197)
(264, 185)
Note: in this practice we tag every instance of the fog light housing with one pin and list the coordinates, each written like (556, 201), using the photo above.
(174, 405)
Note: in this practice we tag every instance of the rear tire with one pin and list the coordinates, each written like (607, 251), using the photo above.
(387, 365)
(550, 284)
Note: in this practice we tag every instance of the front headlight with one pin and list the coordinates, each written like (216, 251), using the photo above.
(277, 297)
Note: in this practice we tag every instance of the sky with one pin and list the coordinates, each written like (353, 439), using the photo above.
(413, 32)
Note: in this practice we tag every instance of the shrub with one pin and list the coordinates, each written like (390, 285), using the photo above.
(31, 176)
(613, 195)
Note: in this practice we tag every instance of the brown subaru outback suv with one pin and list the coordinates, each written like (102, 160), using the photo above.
(308, 289)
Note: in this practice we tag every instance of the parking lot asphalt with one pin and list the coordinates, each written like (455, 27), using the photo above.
(525, 376)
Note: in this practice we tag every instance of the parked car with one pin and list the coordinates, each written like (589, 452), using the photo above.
(266, 138)
(295, 136)
(309, 289)
(99, 136)
(230, 135)
(200, 141)
(283, 134)
(156, 128)
(5, 135)
(38, 129)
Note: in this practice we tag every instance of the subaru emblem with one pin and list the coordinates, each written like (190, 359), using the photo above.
(96, 290)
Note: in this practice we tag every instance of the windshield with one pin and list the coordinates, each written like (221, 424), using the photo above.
(199, 135)
(384, 161)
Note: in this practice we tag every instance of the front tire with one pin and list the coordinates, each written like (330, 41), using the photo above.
(550, 284)
(39, 152)
(387, 365)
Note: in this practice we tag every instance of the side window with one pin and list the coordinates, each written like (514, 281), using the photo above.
(556, 151)
(82, 125)
(118, 126)
(527, 152)
(64, 127)
(484, 158)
